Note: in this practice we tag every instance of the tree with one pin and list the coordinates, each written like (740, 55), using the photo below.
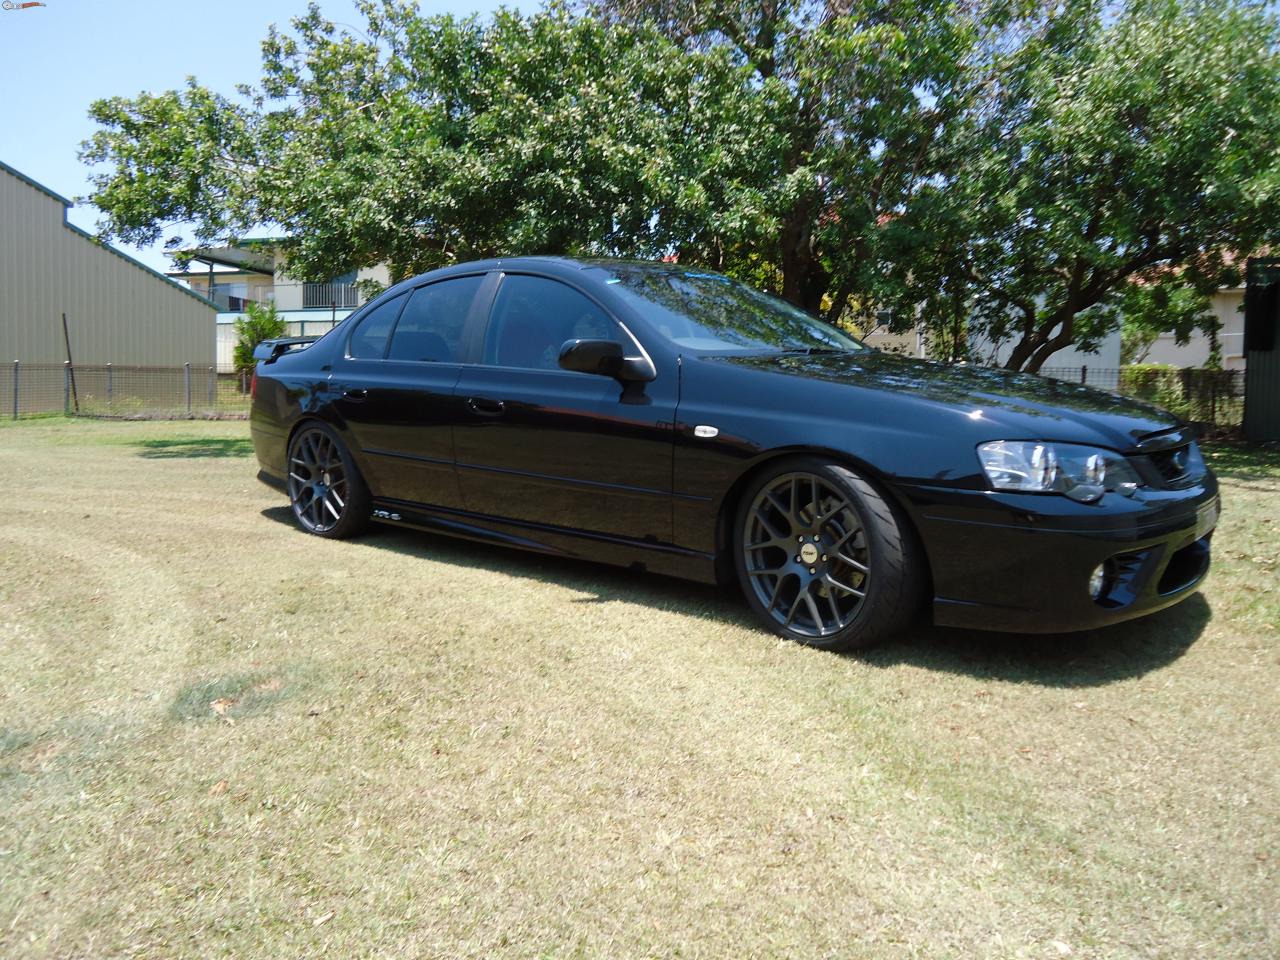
(868, 85)
(997, 170)
(422, 141)
(260, 322)
(1104, 140)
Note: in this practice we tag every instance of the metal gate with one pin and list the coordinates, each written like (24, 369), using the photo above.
(1262, 349)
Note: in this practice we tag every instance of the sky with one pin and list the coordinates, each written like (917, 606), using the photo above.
(59, 58)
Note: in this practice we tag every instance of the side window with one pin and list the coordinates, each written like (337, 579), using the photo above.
(369, 341)
(532, 318)
(430, 327)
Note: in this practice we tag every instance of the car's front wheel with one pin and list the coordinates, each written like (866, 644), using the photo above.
(327, 493)
(824, 558)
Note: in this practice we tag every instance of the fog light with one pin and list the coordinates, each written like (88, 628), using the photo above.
(1098, 581)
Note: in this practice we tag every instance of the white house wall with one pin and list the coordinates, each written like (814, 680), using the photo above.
(1227, 306)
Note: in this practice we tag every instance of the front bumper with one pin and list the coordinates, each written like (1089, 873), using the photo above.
(1022, 562)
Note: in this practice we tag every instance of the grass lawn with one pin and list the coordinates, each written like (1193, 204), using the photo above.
(222, 737)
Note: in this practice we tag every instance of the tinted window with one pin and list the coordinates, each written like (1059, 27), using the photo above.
(706, 311)
(430, 327)
(369, 342)
(533, 317)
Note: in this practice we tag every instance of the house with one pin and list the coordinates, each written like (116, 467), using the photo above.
(1228, 306)
(253, 271)
(118, 310)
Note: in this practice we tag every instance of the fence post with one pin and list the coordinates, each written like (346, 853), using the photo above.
(1084, 373)
(66, 388)
(186, 384)
(213, 388)
(244, 386)
(110, 385)
(16, 367)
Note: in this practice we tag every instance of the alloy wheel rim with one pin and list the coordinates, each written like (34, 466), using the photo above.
(317, 481)
(806, 555)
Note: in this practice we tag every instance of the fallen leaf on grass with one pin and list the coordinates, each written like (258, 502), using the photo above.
(325, 919)
(1062, 948)
(217, 788)
(222, 705)
(270, 685)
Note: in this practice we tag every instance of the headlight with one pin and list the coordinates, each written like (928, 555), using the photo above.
(1082, 473)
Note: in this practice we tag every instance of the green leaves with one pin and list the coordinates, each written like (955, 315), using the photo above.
(1109, 140)
(260, 322)
(994, 170)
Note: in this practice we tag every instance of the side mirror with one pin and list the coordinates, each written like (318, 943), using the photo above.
(604, 357)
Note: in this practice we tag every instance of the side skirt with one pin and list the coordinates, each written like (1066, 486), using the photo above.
(664, 558)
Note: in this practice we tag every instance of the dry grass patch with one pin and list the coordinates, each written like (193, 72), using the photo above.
(221, 737)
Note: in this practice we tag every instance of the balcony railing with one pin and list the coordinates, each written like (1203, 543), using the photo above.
(342, 295)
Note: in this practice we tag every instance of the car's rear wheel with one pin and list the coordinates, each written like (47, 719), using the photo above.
(327, 493)
(824, 558)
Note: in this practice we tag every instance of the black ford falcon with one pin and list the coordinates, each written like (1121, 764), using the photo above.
(674, 420)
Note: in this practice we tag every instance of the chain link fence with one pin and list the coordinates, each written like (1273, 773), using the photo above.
(1212, 398)
(109, 390)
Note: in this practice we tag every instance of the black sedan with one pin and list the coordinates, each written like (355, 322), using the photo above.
(671, 419)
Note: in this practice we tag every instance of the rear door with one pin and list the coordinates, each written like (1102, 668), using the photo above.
(395, 389)
(539, 444)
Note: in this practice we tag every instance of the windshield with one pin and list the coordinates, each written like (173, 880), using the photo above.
(705, 311)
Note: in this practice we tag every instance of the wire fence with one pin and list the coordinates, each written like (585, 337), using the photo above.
(127, 392)
(1212, 398)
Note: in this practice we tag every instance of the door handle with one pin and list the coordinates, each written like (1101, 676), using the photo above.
(486, 407)
(356, 394)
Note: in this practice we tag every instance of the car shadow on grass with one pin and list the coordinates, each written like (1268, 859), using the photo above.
(1087, 659)
(195, 447)
(1091, 658)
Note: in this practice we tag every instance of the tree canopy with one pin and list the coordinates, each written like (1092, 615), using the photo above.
(1000, 169)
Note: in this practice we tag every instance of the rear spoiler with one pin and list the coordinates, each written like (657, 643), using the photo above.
(268, 350)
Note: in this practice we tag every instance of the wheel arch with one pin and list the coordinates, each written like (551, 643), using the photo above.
(727, 509)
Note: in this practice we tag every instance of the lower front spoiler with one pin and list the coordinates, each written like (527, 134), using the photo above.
(1192, 562)
(1033, 580)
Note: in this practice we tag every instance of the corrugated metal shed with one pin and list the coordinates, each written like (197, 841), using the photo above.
(118, 310)
(1262, 348)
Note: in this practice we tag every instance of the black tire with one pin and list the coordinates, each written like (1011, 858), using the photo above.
(328, 495)
(824, 558)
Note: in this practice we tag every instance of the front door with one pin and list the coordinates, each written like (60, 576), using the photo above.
(543, 445)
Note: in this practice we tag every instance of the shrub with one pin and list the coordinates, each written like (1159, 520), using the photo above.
(1203, 395)
(261, 322)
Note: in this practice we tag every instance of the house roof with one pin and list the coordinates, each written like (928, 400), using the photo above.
(254, 255)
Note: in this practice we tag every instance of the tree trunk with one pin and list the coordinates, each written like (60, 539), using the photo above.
(804, 280)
